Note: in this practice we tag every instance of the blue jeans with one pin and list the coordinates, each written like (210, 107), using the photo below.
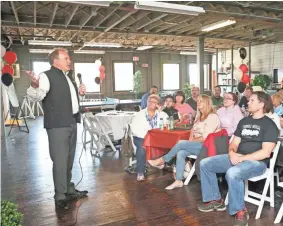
(235, 176)
(140, 155)
(182, 149)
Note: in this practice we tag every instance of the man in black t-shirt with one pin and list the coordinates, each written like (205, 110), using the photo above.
(169, 109)
(249, 153)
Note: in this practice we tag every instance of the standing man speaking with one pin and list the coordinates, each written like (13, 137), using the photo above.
(60, 98)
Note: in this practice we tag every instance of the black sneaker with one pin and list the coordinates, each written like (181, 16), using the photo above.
(62, 204)
(241, 218)
(212, 205)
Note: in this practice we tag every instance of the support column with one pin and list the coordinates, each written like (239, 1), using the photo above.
(232, 65)
(217, 70)
(250, 58)
(200, 62)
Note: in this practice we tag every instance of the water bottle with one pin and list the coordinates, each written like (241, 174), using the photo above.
(161, 124)
(171, 125)
(190, 119)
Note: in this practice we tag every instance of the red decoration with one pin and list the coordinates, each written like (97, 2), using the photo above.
(245, 79)
(244, 68)
(10, 57)
(102, 76)
(101, 68)
(8, 69)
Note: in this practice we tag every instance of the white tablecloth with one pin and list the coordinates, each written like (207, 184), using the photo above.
(116, 121)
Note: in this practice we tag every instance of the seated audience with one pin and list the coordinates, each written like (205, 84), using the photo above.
(217, 100)
(169, 108)
(276, 101)
(206, 122)
(271, 114)
(153, 90)
(230, 114)
(249, 153)
(193, 100)
(183, 108)
(245, 99)
(145, 120)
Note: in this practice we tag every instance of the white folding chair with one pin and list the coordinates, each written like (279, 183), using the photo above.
(280, 214)
(259, 199)
(99, 137)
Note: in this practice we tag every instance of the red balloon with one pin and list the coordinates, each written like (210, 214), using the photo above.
(101, 68)
(10, 57)
(245, 79)
(8, 69)
(102, 76)
(244, 68)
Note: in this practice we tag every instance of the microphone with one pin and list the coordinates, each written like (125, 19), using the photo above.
(79, 75)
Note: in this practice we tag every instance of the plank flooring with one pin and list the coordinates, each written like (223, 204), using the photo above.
(115, 197)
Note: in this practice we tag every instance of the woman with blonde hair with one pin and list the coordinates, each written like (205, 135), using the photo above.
(206, 122)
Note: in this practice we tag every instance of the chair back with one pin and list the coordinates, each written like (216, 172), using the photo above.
(275, 154)
(92, 123)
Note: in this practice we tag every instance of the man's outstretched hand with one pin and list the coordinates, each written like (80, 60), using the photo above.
(34, 80)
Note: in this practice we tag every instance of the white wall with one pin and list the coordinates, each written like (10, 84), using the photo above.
(264, 58)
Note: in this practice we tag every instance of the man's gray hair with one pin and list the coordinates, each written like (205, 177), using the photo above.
(54, 54)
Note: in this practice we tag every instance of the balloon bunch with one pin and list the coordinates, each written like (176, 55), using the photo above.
(101, 72)
(241, 73)
(10, 58)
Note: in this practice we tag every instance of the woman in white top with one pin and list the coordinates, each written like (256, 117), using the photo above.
(206, 122)
(145, 120)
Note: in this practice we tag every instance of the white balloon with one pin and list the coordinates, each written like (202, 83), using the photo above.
(3, 51)
(238, 74)
(98, 62)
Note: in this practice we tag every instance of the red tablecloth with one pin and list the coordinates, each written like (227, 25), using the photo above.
(158, 142)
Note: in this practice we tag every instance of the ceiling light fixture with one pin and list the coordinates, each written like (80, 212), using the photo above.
(109, 45)
(217, 25)
(49, 43)
(169, 8)
(94, 3)
(144, 47)
(40, 50)
(100, 52)
(188, 53)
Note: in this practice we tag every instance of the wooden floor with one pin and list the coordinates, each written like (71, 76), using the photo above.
(115, 197)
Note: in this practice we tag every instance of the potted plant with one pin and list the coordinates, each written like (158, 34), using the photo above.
(262, 80)
(137, 83)
(10, 216)
(187, 90)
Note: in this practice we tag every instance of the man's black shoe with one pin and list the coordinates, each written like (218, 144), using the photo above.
(77, 195)
(62, 204)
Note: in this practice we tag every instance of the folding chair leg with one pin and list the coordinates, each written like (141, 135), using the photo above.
(271, 191)
(263, 196)
(246, 189)
(191, 173)
(226, 200)
(279, 215)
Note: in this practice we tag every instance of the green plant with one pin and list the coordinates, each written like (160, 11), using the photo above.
(10, 216)
(262, 80)
(137, 82)
(187, 90)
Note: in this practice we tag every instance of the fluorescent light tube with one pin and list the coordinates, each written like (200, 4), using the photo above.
(217, 25)
(109, 45)
(94, 3)
(188, 53)
(169, 8)
(144, 47)
(89, 51)
(40, 50)
(49, 43)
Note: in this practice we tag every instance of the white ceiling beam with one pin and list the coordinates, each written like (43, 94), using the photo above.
(52, 16)
(73, 10)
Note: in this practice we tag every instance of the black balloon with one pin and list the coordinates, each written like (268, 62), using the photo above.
(97, 80)
(7, 79)
(243, 53)
(241, 87)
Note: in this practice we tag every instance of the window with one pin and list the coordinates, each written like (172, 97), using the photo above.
(89, 72)
(123, 76)
(194, 75)
(40, 66)
(171, 76)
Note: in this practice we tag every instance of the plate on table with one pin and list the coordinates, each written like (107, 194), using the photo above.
(130, 113)
(112, 114)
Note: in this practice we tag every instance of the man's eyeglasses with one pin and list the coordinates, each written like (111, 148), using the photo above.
(228, 98)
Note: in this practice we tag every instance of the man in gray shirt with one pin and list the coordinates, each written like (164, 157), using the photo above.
(193, 100)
